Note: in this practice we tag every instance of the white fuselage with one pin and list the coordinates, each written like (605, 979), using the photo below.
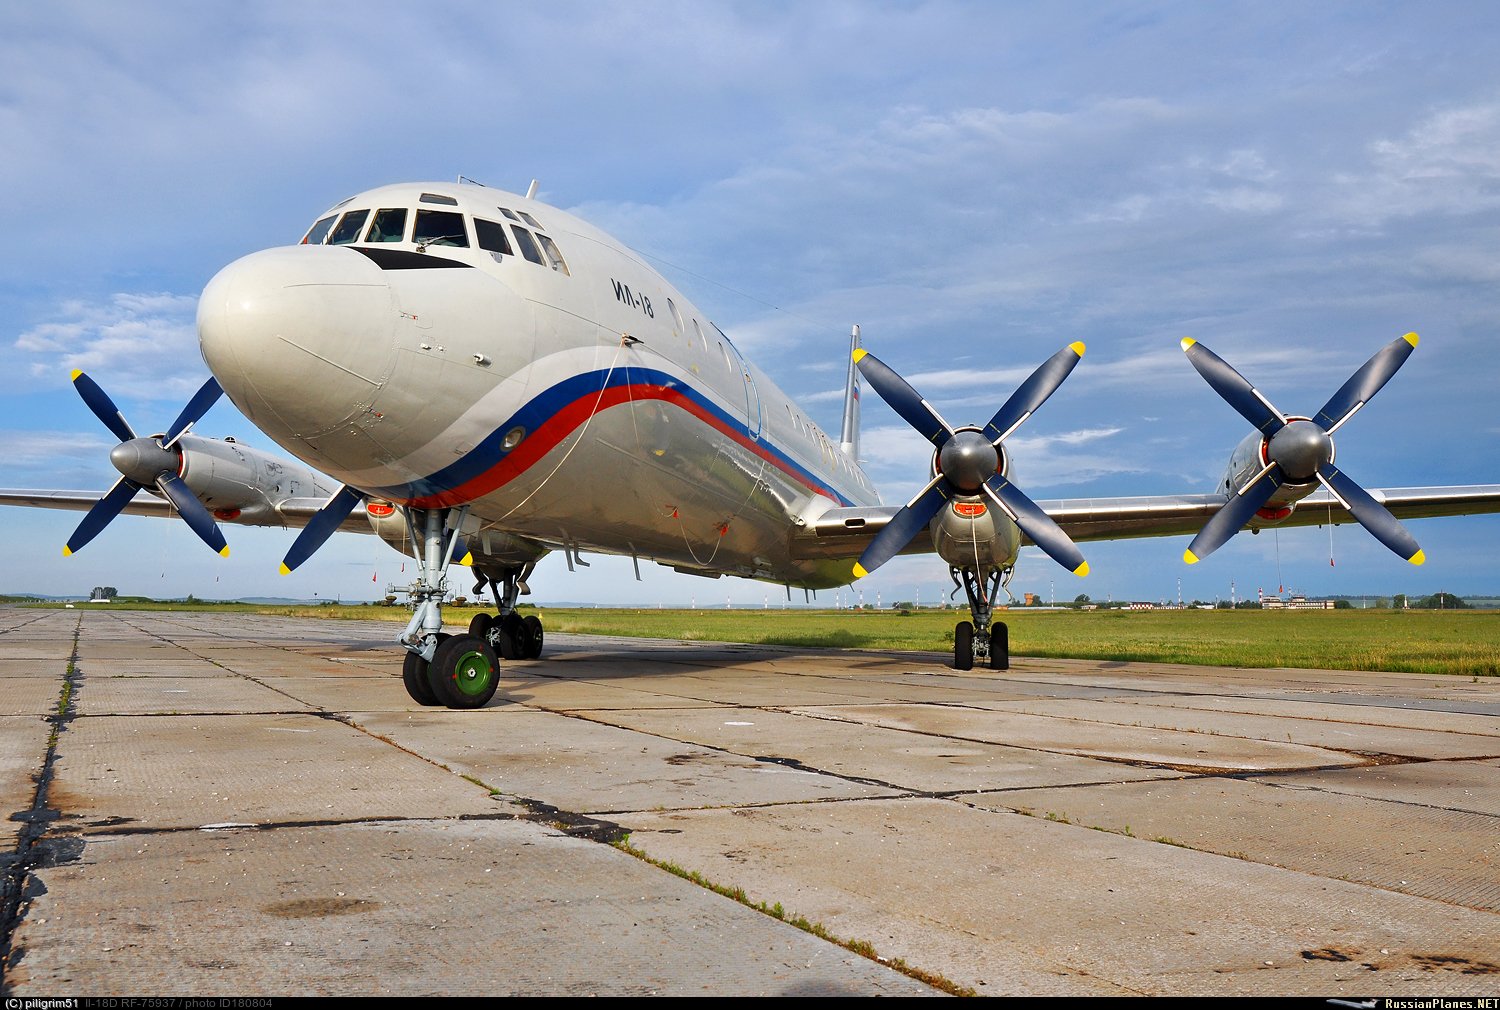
(580, 401)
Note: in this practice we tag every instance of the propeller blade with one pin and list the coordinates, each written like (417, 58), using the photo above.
(322, 526)
(1041, 384)
(1365, 383)
(1372, 515)
(1234, 388)
(103, 407)
(208, 394)
(100, 516)
(1037, 525)
(1231, 517)
(903, 399)
(903, 527)
(192, 511)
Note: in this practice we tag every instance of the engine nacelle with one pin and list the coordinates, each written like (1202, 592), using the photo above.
(1248, 460)
(237, 482)
(967, 534)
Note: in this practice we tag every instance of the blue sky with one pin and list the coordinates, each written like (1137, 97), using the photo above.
(977, 185)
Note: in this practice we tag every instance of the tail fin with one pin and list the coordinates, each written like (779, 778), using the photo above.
(849, 439)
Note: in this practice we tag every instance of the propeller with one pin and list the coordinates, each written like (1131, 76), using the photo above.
(322, 526)
(1300, 450)
(146, 461)
(968, 461)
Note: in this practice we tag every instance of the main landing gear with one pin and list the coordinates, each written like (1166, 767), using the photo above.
(980, 640)
(513, 636)
(459, 671)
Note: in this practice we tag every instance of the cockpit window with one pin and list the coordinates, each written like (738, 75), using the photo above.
(440, 227)
(509, 213)
(553, 255)
(438, 198)
(527, 244)
(350, 225)
(318, 231)
(491, 236)
(531, 220)
(389, 225)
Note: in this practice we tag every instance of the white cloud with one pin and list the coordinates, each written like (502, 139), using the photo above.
(139, 345)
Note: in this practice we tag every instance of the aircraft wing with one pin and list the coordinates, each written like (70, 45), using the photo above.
(845, 532)
(292, 513)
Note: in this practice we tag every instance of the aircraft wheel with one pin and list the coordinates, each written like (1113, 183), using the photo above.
(999, 646)
(532, 636)
(509, 636)
(479, 627)
(464, 672)
(414, 676)
(963, 646)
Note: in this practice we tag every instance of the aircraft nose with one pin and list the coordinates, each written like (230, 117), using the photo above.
(299, 337)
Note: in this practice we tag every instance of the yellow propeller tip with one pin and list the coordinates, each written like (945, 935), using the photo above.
(859, 352)
(859, 570)
(75, 374)
(1078, 347)
(1418, 557)
(1412, 338)
(67, 551)
(225, 552)
(284, 569)
(1190, 557)
(467, 560)
(1188, 342)
(1081, 570)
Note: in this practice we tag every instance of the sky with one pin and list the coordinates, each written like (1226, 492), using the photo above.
(976, 184)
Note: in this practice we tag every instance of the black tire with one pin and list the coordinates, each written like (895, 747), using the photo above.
(963, 646)
(999, 646)
(464, 672)
(479, 626)
(508, 636)
(532, 636)
(414, 676)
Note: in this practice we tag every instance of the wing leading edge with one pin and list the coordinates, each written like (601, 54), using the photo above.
(844, 532)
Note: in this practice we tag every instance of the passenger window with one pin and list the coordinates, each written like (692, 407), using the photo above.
(349, 228)
(319, 231)
(389, 225)
(491, 236)
(440, 227)
(531, 220)
(527, 244)
(553, 254)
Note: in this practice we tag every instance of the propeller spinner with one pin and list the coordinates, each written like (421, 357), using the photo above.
(1300, 450)
(968, 461)
(146, 461)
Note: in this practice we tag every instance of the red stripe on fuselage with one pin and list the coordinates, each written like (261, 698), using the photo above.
(571, 417)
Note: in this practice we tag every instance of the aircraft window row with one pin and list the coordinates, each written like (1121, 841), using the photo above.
(440, 227)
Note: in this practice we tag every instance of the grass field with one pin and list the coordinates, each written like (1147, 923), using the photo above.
(1416, 641)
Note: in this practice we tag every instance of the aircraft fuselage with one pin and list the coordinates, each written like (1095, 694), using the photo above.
(563, 389)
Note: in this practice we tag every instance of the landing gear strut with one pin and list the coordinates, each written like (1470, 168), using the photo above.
(980, 640)
(459, 671)
(513, 636)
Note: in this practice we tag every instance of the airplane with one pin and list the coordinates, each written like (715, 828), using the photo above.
(486, 379)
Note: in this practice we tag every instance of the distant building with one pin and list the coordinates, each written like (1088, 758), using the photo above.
(1140, 605)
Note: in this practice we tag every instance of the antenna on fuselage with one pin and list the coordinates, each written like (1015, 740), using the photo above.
(849, 438)
(531, 190)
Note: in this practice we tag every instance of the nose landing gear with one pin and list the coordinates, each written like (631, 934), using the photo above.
(459, 671)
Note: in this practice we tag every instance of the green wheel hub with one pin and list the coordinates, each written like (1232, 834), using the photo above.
(473, 674)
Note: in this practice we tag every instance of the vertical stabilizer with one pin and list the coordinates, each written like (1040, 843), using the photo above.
(849, 439)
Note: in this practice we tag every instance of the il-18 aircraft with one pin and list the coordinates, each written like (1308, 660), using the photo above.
(486, 379)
